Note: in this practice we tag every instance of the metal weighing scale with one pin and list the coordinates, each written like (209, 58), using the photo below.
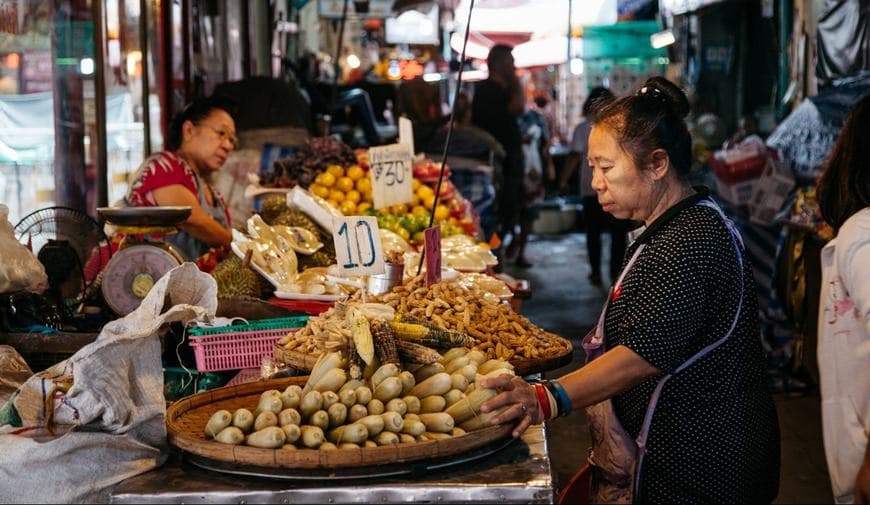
(142, 257)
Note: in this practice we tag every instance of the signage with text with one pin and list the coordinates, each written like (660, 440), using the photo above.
(357, 246)
(391, 171)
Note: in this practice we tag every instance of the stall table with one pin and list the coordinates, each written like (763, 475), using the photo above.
(517, 473)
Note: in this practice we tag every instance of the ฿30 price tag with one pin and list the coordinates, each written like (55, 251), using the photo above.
(391, 171)
(357, 246)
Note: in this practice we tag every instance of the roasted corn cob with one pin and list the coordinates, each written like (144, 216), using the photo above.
(355, 364)
(384, 342)
(416, 353)
(424, 333)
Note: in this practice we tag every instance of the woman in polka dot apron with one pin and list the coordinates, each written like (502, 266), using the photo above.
(674, 382)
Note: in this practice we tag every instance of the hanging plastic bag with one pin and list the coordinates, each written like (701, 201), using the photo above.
(19, 270)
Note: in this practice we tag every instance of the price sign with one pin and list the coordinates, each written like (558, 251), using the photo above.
(432, 246)
(406, 132)
(357, 246)
(391, 172)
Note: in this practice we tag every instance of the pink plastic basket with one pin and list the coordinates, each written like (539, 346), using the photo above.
(234, 351)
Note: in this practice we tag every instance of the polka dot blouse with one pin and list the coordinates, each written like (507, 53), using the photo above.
(714, 436)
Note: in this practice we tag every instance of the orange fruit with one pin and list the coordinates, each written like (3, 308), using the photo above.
(325, 179)
(344, 184)
(418, 209)
(362, 207)
(429, 201)
(348, 208)
(399, 210)
(415, 184)
(353, 196)
(336, 195)
(321, 191)
(355, 172)
(364, 185)
(441, 213)
(425, 191)
(335, 170)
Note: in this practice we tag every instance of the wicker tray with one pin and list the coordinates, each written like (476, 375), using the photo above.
(186, 419)
(522, 367)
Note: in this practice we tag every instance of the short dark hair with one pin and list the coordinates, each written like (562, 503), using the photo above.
(844, 187)
(598, 96)
(498, 51)
(649, 120)
(194, 112)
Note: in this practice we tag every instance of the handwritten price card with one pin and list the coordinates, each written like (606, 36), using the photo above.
(357, 246)
(391, 172)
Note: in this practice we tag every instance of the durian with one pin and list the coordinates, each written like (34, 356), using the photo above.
(272, 207)
(234, 280)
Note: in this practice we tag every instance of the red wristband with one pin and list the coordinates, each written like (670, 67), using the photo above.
(543, 401)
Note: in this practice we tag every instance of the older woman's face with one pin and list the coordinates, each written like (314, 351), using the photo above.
(211, 140)
(624, 190)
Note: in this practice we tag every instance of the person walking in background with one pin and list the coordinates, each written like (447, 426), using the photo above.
(844, 310)
(536, 157)
(595, 219)
(497, 104)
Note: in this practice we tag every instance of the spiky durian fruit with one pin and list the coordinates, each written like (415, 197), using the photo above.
(235, 280)
(272, 207)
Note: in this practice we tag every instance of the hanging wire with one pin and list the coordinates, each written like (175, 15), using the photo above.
(449, 130)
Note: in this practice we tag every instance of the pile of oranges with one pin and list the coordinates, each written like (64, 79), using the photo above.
(348, 190)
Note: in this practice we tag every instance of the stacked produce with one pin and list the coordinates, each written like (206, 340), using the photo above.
(311, 159)
(462, 307)
(234, 279)
(274, 211)
(365, 397)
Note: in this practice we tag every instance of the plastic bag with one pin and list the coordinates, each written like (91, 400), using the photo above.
(20, 270)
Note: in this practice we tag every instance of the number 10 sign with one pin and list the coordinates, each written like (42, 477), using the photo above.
(357, 246)
(391, 173)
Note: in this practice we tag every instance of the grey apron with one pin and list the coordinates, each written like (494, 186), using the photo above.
(616, 459)
(186, 244)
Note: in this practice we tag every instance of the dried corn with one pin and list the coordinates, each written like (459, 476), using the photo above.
(384, 342)
(416, 353)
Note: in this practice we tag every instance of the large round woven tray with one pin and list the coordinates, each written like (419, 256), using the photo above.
(522, 367)
(186, 420)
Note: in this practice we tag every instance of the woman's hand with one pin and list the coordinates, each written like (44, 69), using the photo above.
(519, 396)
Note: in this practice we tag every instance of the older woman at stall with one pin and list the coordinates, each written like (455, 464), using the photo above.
(200, 139)
(674, 385)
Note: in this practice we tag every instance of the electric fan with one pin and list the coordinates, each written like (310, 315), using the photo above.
(72, 247)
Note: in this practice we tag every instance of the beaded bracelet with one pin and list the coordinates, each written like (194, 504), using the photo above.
(561, 396)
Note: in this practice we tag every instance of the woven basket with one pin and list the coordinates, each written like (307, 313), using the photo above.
(186, 420)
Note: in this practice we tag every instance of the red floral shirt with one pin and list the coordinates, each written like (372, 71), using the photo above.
(165, 169)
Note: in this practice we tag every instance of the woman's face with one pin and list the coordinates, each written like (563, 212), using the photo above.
(210, 141)
(624, 190)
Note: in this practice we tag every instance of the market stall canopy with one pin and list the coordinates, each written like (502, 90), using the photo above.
(509, 22)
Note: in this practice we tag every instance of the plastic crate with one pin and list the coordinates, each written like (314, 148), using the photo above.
(233, 348)
(277, 323)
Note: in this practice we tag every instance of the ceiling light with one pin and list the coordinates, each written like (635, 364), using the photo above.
(662, 39)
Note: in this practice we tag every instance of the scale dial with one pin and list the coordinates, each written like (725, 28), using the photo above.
(131, 273)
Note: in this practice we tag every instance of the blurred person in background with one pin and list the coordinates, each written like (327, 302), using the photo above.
(201, 138)
(496, 107)
(595, 220)
(844, 310)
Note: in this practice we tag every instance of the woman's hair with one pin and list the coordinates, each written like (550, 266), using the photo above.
(844, 187)
(195, 112)
(598, 96)
(649, 120)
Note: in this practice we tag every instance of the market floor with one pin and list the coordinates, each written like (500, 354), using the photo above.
(564, 302)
